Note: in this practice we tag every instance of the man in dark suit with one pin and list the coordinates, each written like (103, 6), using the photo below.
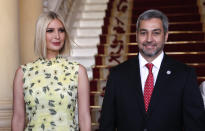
(152, 92)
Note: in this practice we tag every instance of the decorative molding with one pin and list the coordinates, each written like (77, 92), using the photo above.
(5, 104)
(5, 129)
(5, 114)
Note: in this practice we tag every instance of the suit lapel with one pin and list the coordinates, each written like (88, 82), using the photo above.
(166, 72)
(134, 72)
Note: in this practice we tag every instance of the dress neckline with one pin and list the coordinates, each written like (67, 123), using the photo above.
(54, 59)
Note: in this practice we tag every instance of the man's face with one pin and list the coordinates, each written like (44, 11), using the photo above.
(151, 38)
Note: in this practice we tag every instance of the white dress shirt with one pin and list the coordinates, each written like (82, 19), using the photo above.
(202, 89)
(144, 71)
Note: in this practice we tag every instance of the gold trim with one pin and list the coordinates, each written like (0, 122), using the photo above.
(100, 79)
(5, 129)
(195, 64)
(133, 54)
(201, 77)
(96, 92)
(169, 42)
(175, 53)
(6, 105)
(177, 14)
(189, 32)
(95, 107)
(192, 53)
(170, 23)
(184, 42)
(102, 66)
(95, 124)
(109, 66)
(170, 32)
(170, 14)
(188, 22)
(167, 6)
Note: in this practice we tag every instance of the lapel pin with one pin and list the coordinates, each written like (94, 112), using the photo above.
(168, 72)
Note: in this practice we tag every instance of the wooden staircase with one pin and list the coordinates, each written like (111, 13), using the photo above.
(186, 41)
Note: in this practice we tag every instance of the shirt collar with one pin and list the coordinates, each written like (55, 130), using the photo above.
(156, 62)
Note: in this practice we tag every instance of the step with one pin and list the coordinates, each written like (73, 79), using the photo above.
(175, 47)
(173, 36)
(98, 98)
(167, 9)
(163, 3)
(178, 17)
(87, 31)
(88, 23)
(183, 17)
(88, 41)
(97, 84)
(89, 14)
(95, 111)
(95, 126)
(84, 51)
(93, 14)
(186, 57)
(8, 129)
(94, 93)
(200, 80)
(96, 1)
(185, 46)
(178, 26)
(110, 6)
(95, 6)
(86, 61)
(102, 72)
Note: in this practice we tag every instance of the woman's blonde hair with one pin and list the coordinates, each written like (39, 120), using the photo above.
(40, 34)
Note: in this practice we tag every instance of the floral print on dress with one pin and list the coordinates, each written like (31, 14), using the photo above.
(50, 94)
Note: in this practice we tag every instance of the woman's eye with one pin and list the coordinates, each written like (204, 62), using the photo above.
(49, 30)
(62, 30)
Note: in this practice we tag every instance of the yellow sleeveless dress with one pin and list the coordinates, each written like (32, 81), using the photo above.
(50, 94)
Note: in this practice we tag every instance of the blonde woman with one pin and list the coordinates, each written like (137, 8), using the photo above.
(51, 92)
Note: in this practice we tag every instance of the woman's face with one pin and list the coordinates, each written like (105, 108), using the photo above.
(55, 37)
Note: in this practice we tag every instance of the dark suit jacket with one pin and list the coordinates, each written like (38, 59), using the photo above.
(176, 103)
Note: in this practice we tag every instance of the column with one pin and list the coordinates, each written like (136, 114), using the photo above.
(29, 12)
(9, 52)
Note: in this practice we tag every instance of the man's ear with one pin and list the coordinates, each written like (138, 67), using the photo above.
(166, 36)
(136, 35)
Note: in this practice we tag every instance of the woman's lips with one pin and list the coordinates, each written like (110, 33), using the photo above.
(56, 43)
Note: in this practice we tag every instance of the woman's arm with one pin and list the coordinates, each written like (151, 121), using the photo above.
(84, 100)
(18, 119)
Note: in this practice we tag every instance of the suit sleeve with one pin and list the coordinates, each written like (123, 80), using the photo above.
(193, 110)
(107, 119)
